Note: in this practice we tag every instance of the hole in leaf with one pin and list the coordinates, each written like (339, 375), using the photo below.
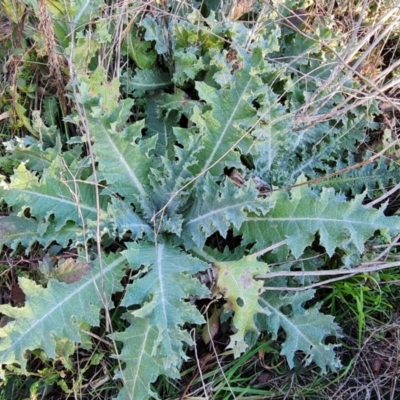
(286, 310)
(217, 241)
(256, 104)
(247, 161)
(240, 302)
(184, 122)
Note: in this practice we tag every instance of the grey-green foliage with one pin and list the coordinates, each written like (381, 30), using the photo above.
(162, 182)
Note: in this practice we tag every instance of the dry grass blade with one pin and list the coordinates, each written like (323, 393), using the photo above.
(330, 66)
(375, 367)
(55, 61)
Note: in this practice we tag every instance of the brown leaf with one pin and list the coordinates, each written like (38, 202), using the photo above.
(17, 296)
(241, 7)
(296, 20)
(211, 328)
(71, 271)
(4, 320)
(263, 378)
(238, 179)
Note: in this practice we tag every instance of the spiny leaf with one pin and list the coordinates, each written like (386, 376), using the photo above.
(121, 152)
(16, 230)
(154, 32)
(56, 312)
(171, 176)
(368, 178)
(47, 135)
(162, 289)
(179, 102)
(69, 235)
(224, 126)
(199, 33)
(306, 329)
(274, 135)
(187, 65)
(51, 111)
(297, 217)
(236, 282)
(146, 80)
(35, 157)
(123, 162)
(219, 208)
(102, 95)
(120, 218)
(160, 125)
(56, 193)
(142, 365)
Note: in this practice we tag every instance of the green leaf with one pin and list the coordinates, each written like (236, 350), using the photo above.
(230, 114)
(15, 231)
(35, 157)
(83, 52)
(46, 134)
(142, 365)
(57, 311)
(368, 178)
(20, 111)
(122, 154)
(171, 176)
(179, 101)
(305, 329)
(154, 32)
(162, 289)
(219, 208)
(51, 113)
(103, 96)
(146, 80)
(120, 218)
(70, 235)
(140, 51)
(199, 32)
(298, 217)
(235, 280)
(123, 159)
(56, 193)
(187, 66)
(274, 135)
(71, 19)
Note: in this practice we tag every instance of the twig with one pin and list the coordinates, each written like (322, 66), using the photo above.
(383, 197)
(313, 285)
(200, 365)
(362, 269)
(270, 248)
(388, 248)
(347, 169)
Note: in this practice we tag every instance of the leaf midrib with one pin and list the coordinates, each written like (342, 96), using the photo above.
(59, 305)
